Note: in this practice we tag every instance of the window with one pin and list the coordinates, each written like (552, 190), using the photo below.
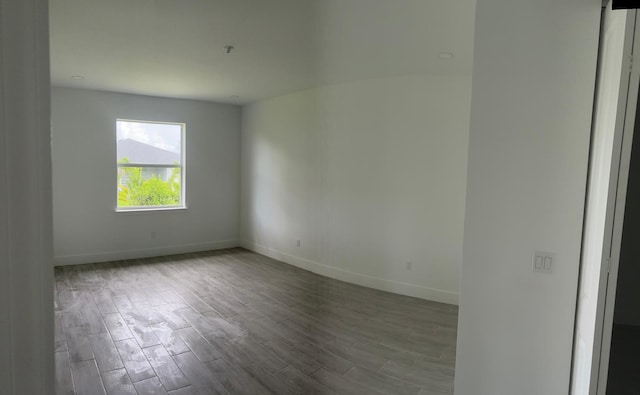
(150, 161)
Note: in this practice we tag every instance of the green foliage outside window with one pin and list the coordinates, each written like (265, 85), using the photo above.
(139, 191)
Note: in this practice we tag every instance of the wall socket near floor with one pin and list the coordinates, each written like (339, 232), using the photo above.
(543, 262)
(297, 243)
(409, 266)
(153, 235)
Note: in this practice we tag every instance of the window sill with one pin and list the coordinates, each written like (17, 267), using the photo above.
(149, 209)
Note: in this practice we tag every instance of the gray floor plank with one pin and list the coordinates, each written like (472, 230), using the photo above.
(92, 320)
(173, 320)
(170, 339)
(261, 329)
(78, 344)
(364, 358)
(430, 380)
(86, 378)
(59, 336)
(104, 303)
(198, 374)
(203, 324)
(150, 386)
(300, 383)
(230, 351)
(184, 391)
(142, 331)
(226, 305)
(166, 369)
(148, 313)
(117, 327)
(236, 380)
(200, 347)
(105, 352)
(64, 382)
(268, 379)
(196, 303)
(308, 333)
(306, 363)
(134, 360)
(244, 351)
(117, 382)
(71, 318)
(124, 306)
(380, 382)
(340, 384)
(330, 361)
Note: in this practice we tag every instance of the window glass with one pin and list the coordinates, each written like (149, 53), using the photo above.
(150, 165)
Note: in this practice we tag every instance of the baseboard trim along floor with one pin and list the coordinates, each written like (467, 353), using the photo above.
(416, 291)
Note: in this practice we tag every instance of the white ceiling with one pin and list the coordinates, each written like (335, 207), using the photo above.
(175, 48)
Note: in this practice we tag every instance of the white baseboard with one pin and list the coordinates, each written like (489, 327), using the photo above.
(436, 295)
(78, 259)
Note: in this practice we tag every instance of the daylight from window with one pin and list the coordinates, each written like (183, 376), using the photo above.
(150, 168)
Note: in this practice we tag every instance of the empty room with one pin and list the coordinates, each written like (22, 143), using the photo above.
(258, 197)
(295, 196)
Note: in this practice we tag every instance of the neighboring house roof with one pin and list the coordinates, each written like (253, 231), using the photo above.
(137, 152)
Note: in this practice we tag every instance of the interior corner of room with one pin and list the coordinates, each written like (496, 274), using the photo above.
(353, 167)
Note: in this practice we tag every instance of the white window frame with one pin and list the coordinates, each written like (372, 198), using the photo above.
(182, 166)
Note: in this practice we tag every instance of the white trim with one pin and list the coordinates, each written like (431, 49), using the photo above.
(183, 124)
(436, 295)
(78, 259)
(148, 209)
(149, 165)
(619, 183)
(604, 208)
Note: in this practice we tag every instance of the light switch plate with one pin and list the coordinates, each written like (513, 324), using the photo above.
(543, 262)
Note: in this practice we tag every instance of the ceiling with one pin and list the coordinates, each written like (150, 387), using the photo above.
(175, 48)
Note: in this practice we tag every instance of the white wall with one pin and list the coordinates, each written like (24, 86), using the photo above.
(26, 275)
(533, 85)
(86, 226)
(368, 175)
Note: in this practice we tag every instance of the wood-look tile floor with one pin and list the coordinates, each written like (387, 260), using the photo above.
(236, 322)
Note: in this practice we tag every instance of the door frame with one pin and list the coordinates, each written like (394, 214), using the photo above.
(615, 214)
(614, 208)
(603, 233)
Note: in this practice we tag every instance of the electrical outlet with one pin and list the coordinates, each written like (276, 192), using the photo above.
(543, 262)
(153, 235)
(298, 243)
(409, 266)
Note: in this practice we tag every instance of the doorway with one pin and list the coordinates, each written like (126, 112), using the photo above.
(611, 141)
(625, 339)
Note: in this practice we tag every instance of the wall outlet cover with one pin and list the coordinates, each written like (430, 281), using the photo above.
(543, 262)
